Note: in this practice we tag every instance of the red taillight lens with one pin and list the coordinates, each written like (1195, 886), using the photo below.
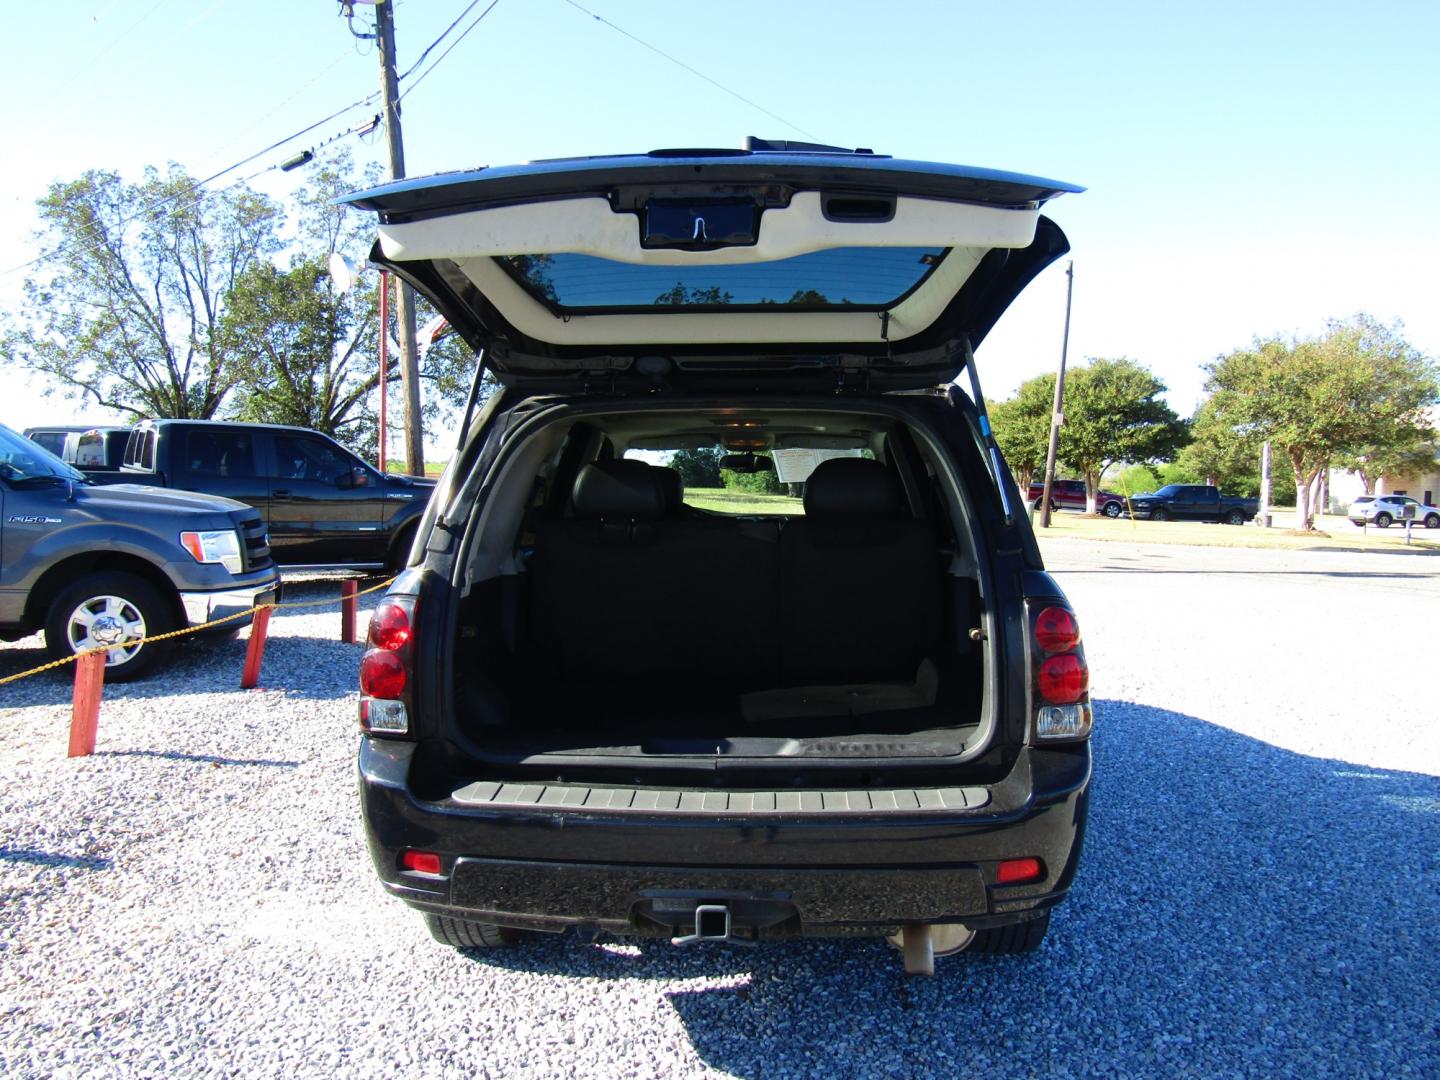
(382, 674)
(390, 626)
(1063, 679)
(1056, 630)
(1019, 871)
(422, 862)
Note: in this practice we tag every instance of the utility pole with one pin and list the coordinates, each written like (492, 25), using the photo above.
(1056, 416)
(405, 296)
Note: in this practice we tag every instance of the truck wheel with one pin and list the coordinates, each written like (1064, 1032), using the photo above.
(1235, 517)
(1112, 510)
(109, 608)
(463, 934)
(1159, 514)
(400, 551)
(1009, 940)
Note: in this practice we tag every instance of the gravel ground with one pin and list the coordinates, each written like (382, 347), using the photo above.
(1258, 894)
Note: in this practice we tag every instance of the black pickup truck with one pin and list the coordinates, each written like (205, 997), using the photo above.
(1193, 502)
(322, 505)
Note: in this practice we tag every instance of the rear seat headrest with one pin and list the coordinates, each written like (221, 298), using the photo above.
(852, 487)
(673, 485)
(619, 489)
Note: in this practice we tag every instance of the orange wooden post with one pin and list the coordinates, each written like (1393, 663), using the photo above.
(348, 590)
(256, 650)
(85, 716)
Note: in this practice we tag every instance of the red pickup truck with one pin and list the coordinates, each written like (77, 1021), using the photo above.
(1070, 495)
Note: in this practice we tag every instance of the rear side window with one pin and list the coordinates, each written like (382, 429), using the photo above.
(220, 453)
(140, 451)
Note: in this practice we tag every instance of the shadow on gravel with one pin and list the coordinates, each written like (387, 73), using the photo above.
(1240, 910)
(49, 858)
(175, 755)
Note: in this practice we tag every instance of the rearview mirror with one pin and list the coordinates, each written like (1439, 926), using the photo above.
(747, 463)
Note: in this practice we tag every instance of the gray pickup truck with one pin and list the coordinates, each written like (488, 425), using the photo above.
(110, 565)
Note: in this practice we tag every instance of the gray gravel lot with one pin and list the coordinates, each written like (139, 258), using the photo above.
(1258, 894)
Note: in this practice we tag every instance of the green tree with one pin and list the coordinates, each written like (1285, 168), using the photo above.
(698, 468)
(1322, 397)
(125, 301)
(1218, 453)
(1114, 412)
(1403, 449)
(310, 355)
(298, 359)
(1022, 428)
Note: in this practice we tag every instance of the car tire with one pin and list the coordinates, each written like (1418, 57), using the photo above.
(1235, 517)
(400, 550)
(119, 601)
(1383, 520)
(1112, 510)
(1159, 514)
(464, 934)
(1011, 940)
(1432, 521)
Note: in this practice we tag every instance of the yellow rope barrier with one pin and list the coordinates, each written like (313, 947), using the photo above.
(185, 630)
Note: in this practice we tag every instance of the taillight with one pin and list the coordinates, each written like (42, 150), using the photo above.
(1019, 871)
(386, 668)
(1060, 679)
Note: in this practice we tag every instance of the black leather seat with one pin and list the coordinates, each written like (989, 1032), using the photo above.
(860, 596)
(625, 593)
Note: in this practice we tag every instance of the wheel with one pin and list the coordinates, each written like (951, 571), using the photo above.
(109, 608)
(463, 934)
(1383, 520)
(1432, 521)
(1159, 514)
(1009, 940)
(1112, 509)
(400, 550)
(1235, 517)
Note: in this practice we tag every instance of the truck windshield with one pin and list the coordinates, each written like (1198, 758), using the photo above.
(21, 459)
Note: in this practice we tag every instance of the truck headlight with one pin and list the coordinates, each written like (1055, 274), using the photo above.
(221, 546)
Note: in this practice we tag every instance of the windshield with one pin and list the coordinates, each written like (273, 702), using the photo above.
(1169, 489)
(21, 459)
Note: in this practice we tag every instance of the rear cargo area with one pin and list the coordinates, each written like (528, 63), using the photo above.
(637, 629)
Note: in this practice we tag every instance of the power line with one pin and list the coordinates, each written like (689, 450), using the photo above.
(468, 8)
(699, 74)
(440, 59)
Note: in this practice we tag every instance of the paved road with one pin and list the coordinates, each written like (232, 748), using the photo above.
(1258, 895)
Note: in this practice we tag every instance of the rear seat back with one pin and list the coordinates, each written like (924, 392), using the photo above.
(860, 600)
(623, 591)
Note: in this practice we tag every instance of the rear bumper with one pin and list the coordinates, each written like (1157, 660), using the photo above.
(642, 871)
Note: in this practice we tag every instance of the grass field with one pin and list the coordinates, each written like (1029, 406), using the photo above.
(741, 502)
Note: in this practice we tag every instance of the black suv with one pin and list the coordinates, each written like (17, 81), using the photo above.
(592, 701)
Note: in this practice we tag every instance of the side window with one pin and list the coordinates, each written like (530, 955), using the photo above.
(302, 457)
(218, 453)
(140, 450)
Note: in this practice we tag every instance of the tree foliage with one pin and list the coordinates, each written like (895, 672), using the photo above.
(699, 468)
(1114, 412)
(1022, 428)
(1319, 398)
(124, 304)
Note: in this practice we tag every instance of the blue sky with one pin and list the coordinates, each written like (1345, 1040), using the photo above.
(1252, 168)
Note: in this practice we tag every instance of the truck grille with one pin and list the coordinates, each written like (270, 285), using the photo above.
(256, 542)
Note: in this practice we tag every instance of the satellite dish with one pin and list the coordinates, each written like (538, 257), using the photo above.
(343, 273)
